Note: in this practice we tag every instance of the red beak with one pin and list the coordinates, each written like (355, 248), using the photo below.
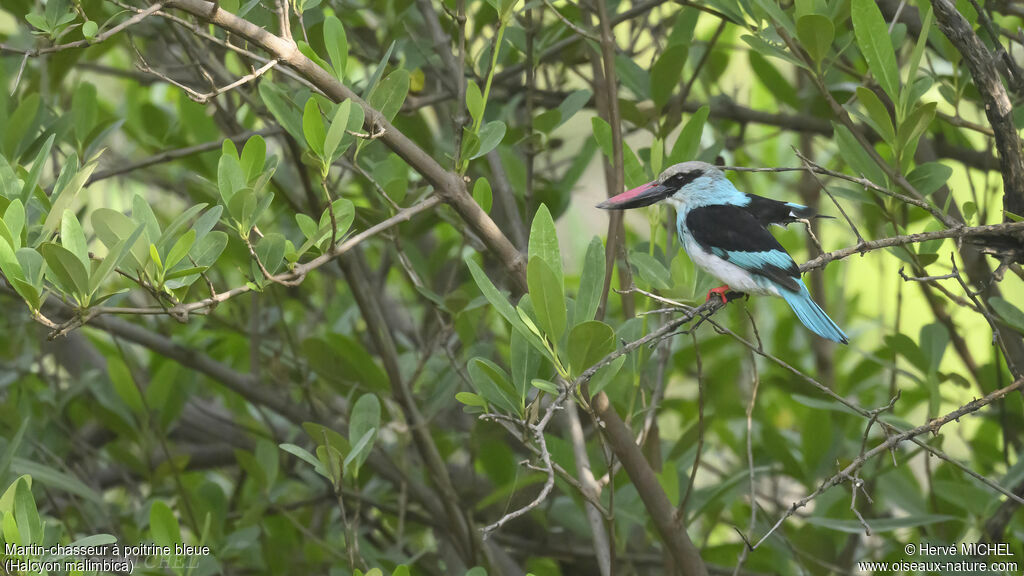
(644, 195)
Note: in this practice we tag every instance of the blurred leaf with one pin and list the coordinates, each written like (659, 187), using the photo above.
(364, 422)
(548, 298)
(779, 86)
(544, 242)
(490, 136)
(524, 361)
(491, 383)
(667, 73)
(589, 342)
(67, 270)
(284, 111)
(388, 96)
(651, 270)
(816, 33)
(591, 281)
(26, 515)
(253, 157)
(337, 45)
(474, 101)
(688, 142)
(873, 39)
(929, 177)
(482, 193)
(877, 115)
(313, 127)
(1008, 312)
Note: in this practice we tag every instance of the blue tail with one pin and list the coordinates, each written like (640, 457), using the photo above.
(812, 315)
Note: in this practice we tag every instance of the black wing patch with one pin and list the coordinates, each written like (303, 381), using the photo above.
(768, 211)
(733, 233)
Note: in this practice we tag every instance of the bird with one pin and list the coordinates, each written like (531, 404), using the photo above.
(724, 231)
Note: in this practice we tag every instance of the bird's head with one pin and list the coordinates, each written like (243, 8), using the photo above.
(676, 182)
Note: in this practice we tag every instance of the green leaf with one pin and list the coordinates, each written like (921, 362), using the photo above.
(491, 382)
(589, 342)
(336, 131)
(55, 479)
(305, 456)
(606, 374)
(63, 195)
(115, 256)
(816, 33)
(143, 212)
(548, 298)
(37, 167)
(230, 175)
(313, 127)
(666, 73)
(388, 96)
(1008, 312)
(915, 124)
(112, 226)
(474, 101)
(163, 525)
(14, 221)
(360, 450)
(603, 135)
(856, 157)
(482, 193)
(915, 57)
(688, 142)
(253, 158)
(591, 282)
(873, 39)
(285, 112)
(651, 270)
(371, 84)
(934, 340)
(502, 305)
(83, 106)
(337, 45)
(308, 51)
(544, 242)
(877, 115)
(73, 238)
(124, 385)
(773, 80)
(339, 358)
(470, 399)
(490, 136)
(30, 526)
(572, 104)
(545, 386)
(270, 250)
(67, 271)
(7, 500)
(364, 422)
(15, 274)
(929, 177)
(344, 214)
(181, 222)
(180, 249)
(524, 362)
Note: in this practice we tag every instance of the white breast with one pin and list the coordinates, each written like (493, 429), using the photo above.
(737, 278)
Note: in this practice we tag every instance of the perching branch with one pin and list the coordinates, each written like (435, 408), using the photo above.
(997, 105)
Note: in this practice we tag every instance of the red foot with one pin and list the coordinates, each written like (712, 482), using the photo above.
(720, 292)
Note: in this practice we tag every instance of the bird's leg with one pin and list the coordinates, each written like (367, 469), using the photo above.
(725, 293)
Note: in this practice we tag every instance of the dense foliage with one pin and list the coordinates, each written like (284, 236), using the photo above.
(321, 285)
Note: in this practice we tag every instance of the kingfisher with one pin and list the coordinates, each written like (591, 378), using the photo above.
(724, 231)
